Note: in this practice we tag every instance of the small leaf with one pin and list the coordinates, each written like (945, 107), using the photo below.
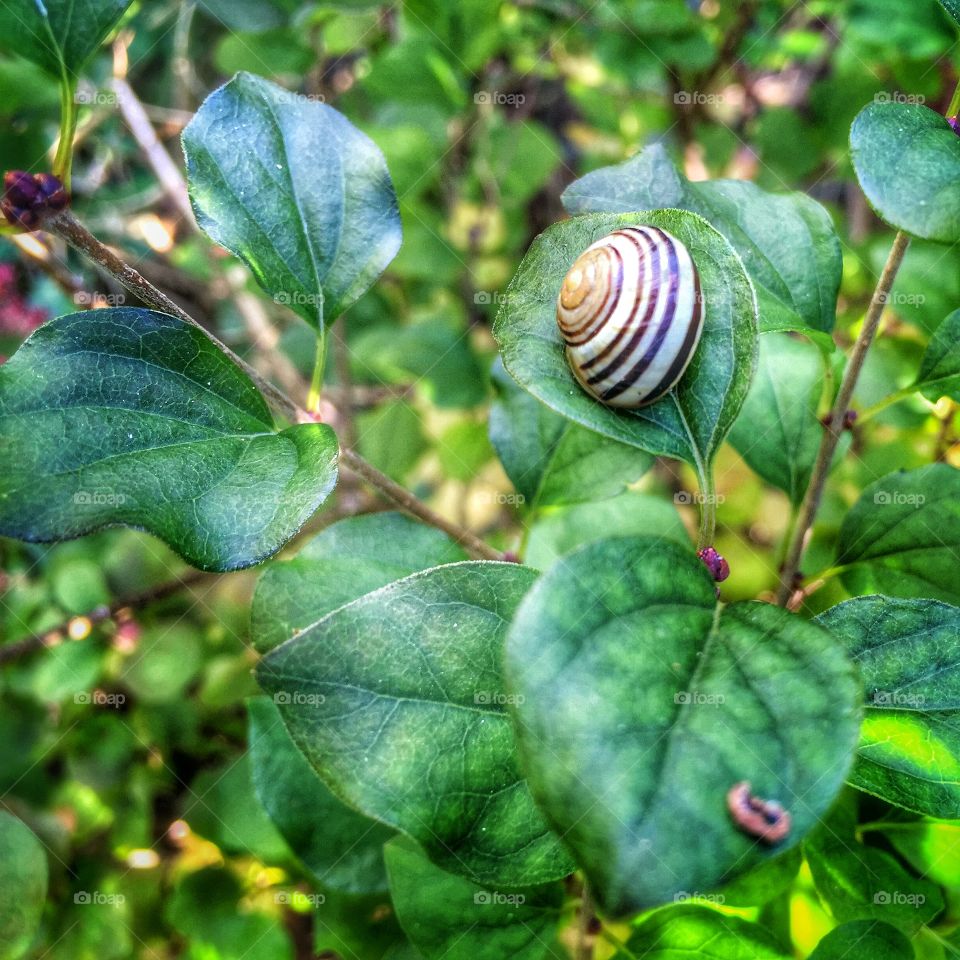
(296, 191)
(640, 702)
(907, 159)
(778, 431)
(864, 938)
(127, 416)
(343, 562)
(449, 918)
(787, 241)
(551, 460)
(23, 886)
(910, 740)
(691, 421)
(397, 700)
(939, 374)
(865, 883)
(903, 534)
(691, 931)
(59, 35)
(342, 849)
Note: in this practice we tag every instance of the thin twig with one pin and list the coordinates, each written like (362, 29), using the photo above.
(586, 918)
(835, 426)
(38, 641)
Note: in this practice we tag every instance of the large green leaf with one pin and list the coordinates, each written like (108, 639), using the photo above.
(787, 241)
(939, 374)
(397, 699)
(59, 35)
(341, 848)
(908, 657)
(952, 7)
(553, 461)
(778, 431)
(343, 562)
(907, 159)
(447, 917)
(691, 421)
(690, 931)
(640, 702)
(859, 882)
(23, 886)
(864, 938)
(901, 537)
(127, 416)
(294, 189)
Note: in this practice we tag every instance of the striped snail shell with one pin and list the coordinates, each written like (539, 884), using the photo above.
(630, 312)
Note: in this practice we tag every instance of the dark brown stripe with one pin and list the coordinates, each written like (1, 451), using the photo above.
(637, 370)
(587, 331)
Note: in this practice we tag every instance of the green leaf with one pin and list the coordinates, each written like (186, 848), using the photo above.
(902, 536)
(342, 849)
(343, 562)
(640, 702)
(691, 421)
(690, 931)
(127, 416)
(296, 191)
(931, 847)
(939, 374)
(763, 883)
(910, 740)
(865, 883)
(787, 241)
(864, 938)
(23, 886)
(907, 159)
(397, 700)
(553, 461)
(952, 7)
(449, 918)
(59, 35)
(778, 431)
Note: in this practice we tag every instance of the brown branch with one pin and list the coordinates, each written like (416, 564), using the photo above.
(835, 426)
(39, 641)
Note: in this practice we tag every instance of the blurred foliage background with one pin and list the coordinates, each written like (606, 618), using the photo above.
(123, 744)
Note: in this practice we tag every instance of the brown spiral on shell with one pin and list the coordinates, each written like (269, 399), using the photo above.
(631, 311)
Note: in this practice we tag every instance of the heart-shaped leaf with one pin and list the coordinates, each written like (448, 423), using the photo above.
(23, 886)
(691, 421)
(291, 187)
(127, 416)
(640, 702)
(778, 431)
(864, 938)
(397, 700)
(902, 536)
(907, 159)
(449, 918)
(553, 461)
(939, 374)
(59, 35)
(345, 561)
(691, 931)
(786, 241)
(910, 740)
(340, 847)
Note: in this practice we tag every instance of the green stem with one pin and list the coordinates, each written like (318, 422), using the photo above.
(954, 107)
(316, 380)
(63, 161)
(708, 510)
(887, 401)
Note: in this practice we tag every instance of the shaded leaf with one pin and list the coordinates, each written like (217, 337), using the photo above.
(864, 938)
(691, 421)
(447, 917)
(939, 374)
(787, 241)
(397, 700)
(23, 886)
(127, 416)
(291, 187)
(952, 7)
(640, 702)
(907, 159)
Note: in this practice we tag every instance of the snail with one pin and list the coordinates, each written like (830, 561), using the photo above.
(630, 311)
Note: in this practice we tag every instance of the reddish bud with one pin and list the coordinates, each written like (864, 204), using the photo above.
(716, 564)
(955, 123)
(28, 197)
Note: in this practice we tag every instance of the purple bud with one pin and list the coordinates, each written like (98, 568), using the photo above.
(955, 123)
(28, 197)
(717, 565)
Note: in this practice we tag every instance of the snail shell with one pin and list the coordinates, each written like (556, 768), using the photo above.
(630, 312)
